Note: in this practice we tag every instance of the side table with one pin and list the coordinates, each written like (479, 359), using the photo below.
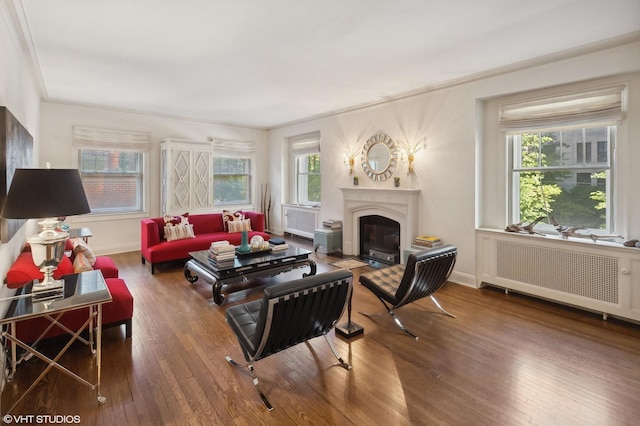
(330, 239)
(83, 233)
(83, 290)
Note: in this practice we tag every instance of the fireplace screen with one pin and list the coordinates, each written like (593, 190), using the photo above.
(380, 239)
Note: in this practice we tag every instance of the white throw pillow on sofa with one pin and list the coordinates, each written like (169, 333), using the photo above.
(178, 232)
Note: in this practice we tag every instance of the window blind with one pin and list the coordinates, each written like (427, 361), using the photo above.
(593, 107)
(233, 147)
(91, 137)
(305, 144)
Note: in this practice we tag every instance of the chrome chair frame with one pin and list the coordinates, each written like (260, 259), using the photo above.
(398, 285)
(288, 314)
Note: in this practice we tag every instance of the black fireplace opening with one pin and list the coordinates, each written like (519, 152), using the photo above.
(379, 239)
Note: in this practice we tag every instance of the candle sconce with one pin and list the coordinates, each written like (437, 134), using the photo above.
(349, 160)
(408, 151)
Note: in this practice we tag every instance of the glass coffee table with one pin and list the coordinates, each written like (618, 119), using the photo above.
(244, 267)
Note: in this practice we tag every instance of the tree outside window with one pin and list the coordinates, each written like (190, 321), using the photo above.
(556, 175)
(308, 179)
(231, 181)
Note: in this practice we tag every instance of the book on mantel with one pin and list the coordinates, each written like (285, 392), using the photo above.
(427, 241)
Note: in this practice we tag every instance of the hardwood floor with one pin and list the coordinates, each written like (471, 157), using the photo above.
(505, 360)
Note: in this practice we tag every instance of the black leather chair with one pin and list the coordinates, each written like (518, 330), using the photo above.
(289, 313)
(398, 285)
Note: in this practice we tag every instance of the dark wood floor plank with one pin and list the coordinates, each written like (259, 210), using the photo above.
(504, 359)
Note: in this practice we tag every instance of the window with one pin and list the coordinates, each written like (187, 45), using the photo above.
(308, 179)
(603, 152)
(231, 181)
(305, 153)
(112, 180)
(554, 172)
(112, 164)
(232, 172)
(547, 183)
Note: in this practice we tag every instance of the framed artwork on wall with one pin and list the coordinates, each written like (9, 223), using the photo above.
(16, 152)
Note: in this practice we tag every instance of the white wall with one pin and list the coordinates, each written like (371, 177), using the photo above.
(449, 171)
(114, 234)
(21, 96)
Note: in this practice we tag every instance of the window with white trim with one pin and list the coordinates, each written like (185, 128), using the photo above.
(232, 172)
(112, 167)
(306, 181)
(561, 152)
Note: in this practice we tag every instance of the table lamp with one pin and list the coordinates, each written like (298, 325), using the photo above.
(46, 194)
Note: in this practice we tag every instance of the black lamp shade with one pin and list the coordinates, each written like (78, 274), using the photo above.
(44, 193)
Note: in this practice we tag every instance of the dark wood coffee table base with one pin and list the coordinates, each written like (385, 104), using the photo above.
(224, 279)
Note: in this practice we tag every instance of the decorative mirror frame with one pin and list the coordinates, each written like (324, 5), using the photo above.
(379, 138)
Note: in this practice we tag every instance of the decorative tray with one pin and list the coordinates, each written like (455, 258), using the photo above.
(253, 253)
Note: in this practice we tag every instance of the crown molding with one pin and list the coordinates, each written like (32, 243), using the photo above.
(611, 43)
(148, 113)
(13, 11)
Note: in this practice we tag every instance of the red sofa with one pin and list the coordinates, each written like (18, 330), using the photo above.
(116, 313)
(207, 228)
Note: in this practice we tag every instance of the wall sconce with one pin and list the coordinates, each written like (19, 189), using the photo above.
(349, 160)
(408, 151)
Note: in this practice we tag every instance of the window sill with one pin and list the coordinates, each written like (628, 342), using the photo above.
(558, 239)
(302, 206)
(105, 217)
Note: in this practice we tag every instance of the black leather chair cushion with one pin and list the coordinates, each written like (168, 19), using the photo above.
(290, 313)
(290, 319)
(423, 274)
(243, 320)
(384, 282)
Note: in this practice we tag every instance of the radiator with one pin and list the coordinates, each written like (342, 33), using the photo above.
(601, 277)
(582, 274)
(300, 220)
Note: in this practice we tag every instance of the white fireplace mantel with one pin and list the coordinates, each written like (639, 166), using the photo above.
(397, 204)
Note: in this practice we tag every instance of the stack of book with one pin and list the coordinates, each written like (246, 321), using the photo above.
(222, 252)
(332, 224)
(427, 241)
(278, 244)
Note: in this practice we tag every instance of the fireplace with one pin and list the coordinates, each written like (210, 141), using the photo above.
(379, 239)
(397, 204)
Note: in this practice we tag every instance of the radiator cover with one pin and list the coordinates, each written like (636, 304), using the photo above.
(581, 274)
(300, 220)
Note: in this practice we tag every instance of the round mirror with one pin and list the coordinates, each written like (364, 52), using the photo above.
(379, 157)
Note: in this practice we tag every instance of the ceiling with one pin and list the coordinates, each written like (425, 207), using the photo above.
(262, 64)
